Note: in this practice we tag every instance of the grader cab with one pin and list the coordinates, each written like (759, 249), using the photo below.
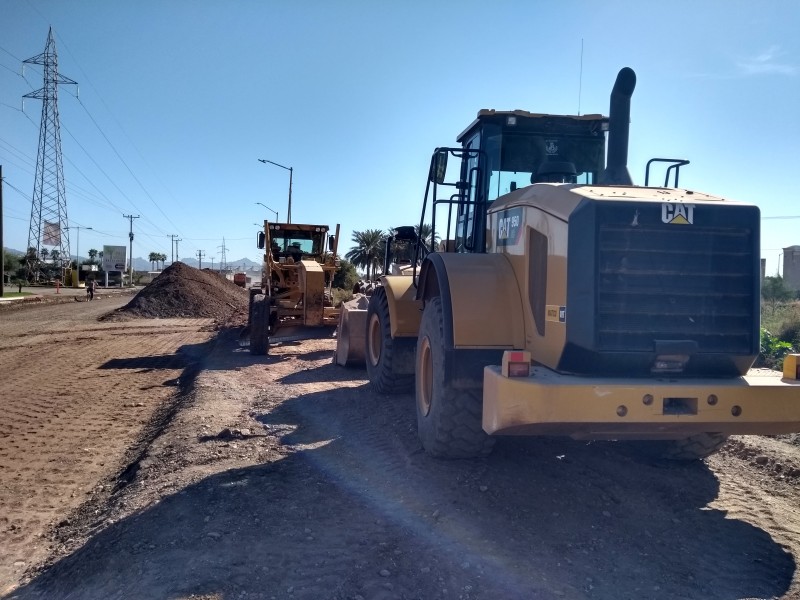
(564, 300)
(295, 292)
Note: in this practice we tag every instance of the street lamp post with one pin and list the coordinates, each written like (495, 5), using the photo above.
(291, 171)
(76, 283)
(277, 218)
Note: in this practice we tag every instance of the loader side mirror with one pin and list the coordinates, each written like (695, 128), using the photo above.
(331, 242)
(438, 166)
(260, 240)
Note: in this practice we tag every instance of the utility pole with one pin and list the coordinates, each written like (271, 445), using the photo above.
(200, 254)
(130, 237)
(172, 245)
(176, 248)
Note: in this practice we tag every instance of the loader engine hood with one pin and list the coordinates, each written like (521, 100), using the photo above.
(666, 283)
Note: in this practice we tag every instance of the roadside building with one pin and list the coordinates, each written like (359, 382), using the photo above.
(791, 267)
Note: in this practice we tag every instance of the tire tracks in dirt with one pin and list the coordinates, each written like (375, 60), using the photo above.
(70, 413)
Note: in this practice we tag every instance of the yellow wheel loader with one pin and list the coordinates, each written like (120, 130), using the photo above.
(564, 300)
(295, 292)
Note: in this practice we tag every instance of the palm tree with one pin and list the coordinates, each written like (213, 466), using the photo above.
(162, 257)
(44, 253)
(427, 235)
(92, 256)
(55, 255)
(153, 258)
(368, 249)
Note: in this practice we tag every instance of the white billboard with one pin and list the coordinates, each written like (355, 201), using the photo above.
(114, 258)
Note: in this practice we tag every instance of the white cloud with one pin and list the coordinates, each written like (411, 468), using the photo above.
(766, 63)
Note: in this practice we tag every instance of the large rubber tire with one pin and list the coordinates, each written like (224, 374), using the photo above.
(390, 361)
(693, 448)
(259, 322)
(448, 419)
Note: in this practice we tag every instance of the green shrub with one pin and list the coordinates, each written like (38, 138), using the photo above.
(773, 350)
(340, 296)
(345, 276)
(790, 333)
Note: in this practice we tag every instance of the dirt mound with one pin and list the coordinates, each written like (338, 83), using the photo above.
(183, 291)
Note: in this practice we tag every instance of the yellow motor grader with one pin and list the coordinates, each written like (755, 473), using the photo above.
(564, 300)
(295, 291)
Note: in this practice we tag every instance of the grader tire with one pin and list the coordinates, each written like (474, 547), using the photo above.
(694, 447)
(448, 419)
(259, 322)
(389, 360)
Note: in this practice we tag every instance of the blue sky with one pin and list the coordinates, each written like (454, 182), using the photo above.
(180, 98)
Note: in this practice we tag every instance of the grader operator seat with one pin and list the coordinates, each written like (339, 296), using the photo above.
(295, 252)
(555, 172)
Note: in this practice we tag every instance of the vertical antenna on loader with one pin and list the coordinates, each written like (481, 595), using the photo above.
(580, 80)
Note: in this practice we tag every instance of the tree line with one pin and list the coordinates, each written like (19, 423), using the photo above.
(155, 258)
(47, 263)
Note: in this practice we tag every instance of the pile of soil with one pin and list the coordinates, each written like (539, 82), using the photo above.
(183, 291)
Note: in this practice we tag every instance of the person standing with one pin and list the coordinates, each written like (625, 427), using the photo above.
(91, 286)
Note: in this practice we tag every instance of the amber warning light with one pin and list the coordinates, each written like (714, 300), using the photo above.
(516, 363)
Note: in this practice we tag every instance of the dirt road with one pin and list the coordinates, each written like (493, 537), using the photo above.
(285, 477)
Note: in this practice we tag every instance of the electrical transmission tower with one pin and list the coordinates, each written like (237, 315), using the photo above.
(49, 224)
(223, 263)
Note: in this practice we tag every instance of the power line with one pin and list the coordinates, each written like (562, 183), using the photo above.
(122, 129)
(122, 160)
(86, 152)
(11, 55)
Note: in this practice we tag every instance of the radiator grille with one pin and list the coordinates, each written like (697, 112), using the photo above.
(683, 283)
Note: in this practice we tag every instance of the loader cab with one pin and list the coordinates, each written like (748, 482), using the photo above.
(501, 152)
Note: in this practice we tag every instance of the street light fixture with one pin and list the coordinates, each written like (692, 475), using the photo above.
(78, 241)
(291, 171)
(277, 218)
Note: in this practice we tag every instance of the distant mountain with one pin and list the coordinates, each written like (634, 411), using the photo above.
(242, 264)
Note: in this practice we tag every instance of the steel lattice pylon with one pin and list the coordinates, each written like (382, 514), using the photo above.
(49, 224)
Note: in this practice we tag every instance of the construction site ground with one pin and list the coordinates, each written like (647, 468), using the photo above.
(154, 457)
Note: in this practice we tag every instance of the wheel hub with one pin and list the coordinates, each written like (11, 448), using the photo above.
(425, 374)
(375, 339)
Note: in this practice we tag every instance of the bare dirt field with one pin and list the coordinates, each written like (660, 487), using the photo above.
(155, 458)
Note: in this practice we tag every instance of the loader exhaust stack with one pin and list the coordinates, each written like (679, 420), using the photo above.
(619, 116)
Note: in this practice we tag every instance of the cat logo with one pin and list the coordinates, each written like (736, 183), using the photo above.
(677, 214)
(551, 147)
